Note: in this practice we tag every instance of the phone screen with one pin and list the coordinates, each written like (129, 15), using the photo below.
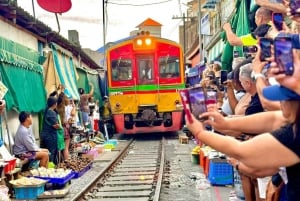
(294, 6)
(184, 94)
(223, 76)
(265, 45)
(211, 97)
(278, 20)
(197, 99)
(284, 55)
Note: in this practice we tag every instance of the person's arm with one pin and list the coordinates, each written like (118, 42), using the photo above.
(275, 7)
(91, 91)
(258, 152)
(232, 38)
(253, 172)
(231, 96)
(263, 121)
(260, 82)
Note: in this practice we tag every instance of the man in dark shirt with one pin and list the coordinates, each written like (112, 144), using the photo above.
(250, 184)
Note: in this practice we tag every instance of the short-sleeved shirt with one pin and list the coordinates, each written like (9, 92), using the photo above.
(24, 141)
(226, 106)
(254, 105)
(288, 138)
(248, 40)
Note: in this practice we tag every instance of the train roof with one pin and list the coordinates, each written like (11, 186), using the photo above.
(110, 44)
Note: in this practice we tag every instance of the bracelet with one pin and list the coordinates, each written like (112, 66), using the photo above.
(237, 166)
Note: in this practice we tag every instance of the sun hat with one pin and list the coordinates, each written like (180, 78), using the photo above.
(279, 93)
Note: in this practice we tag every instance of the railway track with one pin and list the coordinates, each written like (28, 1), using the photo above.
(136, 174)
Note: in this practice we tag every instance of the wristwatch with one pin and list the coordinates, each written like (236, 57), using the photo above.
(255, 76)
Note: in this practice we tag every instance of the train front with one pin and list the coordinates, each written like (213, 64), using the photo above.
(144, 76)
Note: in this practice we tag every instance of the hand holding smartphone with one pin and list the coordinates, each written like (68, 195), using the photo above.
(197, 97)
(184, 94)
(284, 55)
(278, 19)
(223, 76)
(265, 46)
(295, 7)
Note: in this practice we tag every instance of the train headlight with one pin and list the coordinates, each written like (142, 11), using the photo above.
(148, 41)
(139, 42)
(118, 105)
(177, 102)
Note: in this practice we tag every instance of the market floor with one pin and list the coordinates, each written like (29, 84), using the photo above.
(186, 179)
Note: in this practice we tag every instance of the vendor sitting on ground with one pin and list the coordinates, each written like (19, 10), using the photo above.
(25, 146)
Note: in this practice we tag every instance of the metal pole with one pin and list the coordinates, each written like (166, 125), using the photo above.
(200, 34)
(104, 57)
(183, 31)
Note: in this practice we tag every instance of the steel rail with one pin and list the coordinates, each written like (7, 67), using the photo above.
(80, 195)
(160, 174)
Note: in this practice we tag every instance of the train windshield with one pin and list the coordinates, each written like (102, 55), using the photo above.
(168, 66)
(145, 67)
(121, 69)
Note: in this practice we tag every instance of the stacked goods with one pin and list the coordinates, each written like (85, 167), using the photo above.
(54, 194)
(50, 173)
(97, 140)
(196, 150)
(78, 165)
(55, 176)
(28, 188)
(27, 181)
(195, 155)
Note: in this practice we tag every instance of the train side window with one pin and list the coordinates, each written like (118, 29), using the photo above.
(169, 66)
(121, 69)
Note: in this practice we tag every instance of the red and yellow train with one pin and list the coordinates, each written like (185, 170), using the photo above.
(145, 74)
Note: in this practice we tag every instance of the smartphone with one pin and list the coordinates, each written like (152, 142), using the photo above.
(197, 97)
(265, 46)
(184, 95)
(284, 55)
(295, 6)
(236, 54)
(278, 19)
(211, 97)
(223, 76)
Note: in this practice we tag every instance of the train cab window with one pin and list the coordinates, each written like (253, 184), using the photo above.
(169, 67)
(121, 69)
(146, 72)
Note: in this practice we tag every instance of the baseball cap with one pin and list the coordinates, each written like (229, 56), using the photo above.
(279, 93)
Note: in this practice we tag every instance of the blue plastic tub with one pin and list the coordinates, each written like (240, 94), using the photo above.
(220, 172)
(28, 193)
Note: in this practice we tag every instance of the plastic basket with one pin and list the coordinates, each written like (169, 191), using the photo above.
(79, 174)
(60, 181)
(11, 164)
(202, 158)
(29, 193)
(220, 172)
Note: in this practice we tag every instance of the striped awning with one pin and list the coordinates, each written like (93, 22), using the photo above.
(65, 70)
(216, 50)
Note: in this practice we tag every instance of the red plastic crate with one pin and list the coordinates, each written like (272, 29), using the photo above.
(202, 158)
(206, 168)
(11, 164)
